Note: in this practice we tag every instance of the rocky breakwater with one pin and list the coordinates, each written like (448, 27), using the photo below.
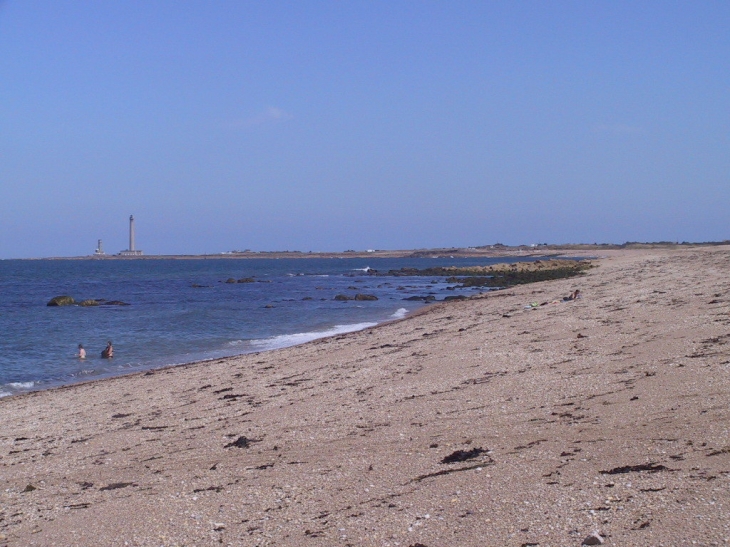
(501, 275)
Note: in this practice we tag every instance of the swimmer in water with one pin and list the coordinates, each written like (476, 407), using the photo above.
(108, 351)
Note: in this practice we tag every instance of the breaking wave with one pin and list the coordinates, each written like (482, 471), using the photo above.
(21, 385)
(399, 313)
(287, 340)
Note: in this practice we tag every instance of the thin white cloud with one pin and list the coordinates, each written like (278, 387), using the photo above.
(271, 114)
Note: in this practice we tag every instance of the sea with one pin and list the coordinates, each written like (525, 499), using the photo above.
(180, 311)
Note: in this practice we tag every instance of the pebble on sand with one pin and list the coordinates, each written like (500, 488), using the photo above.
(593, 539)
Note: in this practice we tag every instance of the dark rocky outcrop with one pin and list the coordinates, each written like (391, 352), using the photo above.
(61, 301)
(246, 280)
(358, 296)
(502, 275)
(86, 303)
(230, 280)
(429, 298)
(472, 281)
(455, 297)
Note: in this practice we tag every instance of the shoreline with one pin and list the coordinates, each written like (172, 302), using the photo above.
(469, 422)
(217, 360)
(316, 335)
(91, 369)
(202, 362)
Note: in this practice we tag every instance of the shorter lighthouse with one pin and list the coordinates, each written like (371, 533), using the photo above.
(131, 251)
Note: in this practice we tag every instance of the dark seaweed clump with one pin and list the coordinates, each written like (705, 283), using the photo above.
(464, 455)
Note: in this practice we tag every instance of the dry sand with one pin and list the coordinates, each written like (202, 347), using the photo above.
(608, 414)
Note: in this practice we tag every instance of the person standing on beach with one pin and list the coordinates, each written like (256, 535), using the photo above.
(108, 351)
(82, 352)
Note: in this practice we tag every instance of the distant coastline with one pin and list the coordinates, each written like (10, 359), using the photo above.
(485, 251)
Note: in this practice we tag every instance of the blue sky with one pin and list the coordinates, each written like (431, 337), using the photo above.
(350, 125)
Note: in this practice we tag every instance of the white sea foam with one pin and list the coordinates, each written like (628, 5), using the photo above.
(287, 340)
(399, 313)
(365, 269)
(5, 393)
(21, 385)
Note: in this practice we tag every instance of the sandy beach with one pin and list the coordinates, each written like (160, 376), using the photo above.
(471, 423)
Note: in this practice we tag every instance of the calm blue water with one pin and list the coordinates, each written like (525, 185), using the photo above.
(170, 322)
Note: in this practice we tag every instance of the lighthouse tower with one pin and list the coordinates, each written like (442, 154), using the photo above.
(131, 251)
(131, 233)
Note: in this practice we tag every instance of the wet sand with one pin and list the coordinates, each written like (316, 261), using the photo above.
(471, 423)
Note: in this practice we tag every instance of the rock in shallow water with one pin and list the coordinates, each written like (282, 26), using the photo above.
(61, 301)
